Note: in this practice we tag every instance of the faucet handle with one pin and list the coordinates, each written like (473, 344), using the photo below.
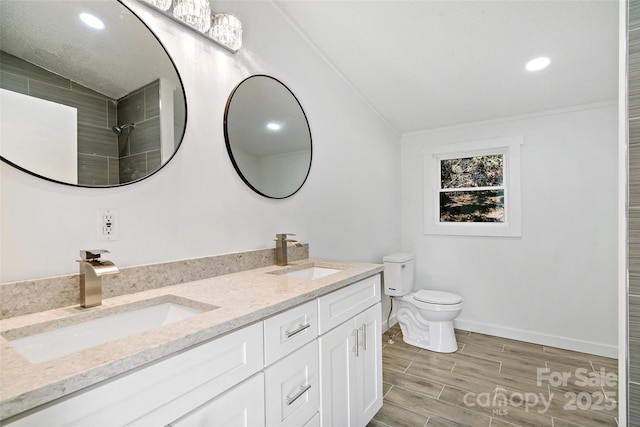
(92, 254)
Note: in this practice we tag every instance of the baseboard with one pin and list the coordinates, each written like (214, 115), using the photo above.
(537, 338)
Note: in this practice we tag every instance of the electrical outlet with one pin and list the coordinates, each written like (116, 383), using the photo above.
(108, 224)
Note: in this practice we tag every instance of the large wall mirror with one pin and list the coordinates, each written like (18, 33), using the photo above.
(88, 95)
(268, 137)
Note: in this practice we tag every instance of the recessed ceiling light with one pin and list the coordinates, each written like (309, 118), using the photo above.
(92, 21)
(273, 126)
(538, 63)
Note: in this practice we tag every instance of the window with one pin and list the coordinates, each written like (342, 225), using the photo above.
(473, 188)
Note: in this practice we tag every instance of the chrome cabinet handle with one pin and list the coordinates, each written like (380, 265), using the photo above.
(356, 347)
(303, 389)
(299, 329)
(364, 336)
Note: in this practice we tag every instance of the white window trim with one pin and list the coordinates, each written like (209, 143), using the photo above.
(510, 148)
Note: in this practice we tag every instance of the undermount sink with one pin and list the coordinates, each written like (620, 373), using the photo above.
(89, 333)
(312, 273)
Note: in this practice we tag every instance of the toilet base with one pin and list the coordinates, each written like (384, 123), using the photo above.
(442, 341)
(435, 336)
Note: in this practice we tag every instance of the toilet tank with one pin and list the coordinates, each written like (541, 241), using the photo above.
(398, 274)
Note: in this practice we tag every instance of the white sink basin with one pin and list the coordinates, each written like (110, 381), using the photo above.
(312, 273)
(70, 339)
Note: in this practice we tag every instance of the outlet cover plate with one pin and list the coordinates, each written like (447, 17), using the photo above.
(108, 224)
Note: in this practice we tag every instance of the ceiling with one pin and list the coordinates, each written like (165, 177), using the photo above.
(421, 64)
(425, 64)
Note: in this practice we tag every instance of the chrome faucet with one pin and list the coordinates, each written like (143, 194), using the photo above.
(281, 247)
(91, 271)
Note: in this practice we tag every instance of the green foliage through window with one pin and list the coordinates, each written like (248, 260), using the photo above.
(478, 171)
(471, 189)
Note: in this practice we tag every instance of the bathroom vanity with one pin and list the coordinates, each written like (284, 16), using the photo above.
(278, 346)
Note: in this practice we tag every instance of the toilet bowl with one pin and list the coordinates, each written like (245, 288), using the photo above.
(425, 316)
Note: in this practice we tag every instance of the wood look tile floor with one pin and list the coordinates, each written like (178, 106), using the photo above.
(492, 381)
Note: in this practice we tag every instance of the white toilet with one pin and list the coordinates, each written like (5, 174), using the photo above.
(425, 317)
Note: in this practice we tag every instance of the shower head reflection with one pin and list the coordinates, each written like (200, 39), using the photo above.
(119, 129)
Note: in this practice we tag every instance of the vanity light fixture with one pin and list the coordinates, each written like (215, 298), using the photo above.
(274, 126)
(195, 13)
(91, 21)
(227, 30)
(224, 29)
(537, 64)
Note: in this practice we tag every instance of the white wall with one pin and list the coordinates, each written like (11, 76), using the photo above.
(557, 284)
(197, 205)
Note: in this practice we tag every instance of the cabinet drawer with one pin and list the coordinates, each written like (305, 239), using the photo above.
(222, 363)
(289, 331)
(242, 406)
(343, 304)
(160, 393)
(292, 392)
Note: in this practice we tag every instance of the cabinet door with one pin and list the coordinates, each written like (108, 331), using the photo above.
(369, 364)
(292, 388)
(313, 422)
(338, 370)
(242, 406)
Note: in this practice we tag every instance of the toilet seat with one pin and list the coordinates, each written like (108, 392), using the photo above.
(437, 297)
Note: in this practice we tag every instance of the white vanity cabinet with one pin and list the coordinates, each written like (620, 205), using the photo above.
(351, 354)
(315, 364)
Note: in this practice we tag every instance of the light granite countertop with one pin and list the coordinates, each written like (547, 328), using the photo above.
(242, 298)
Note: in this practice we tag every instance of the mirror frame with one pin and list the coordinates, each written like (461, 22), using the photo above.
(228, 143)
(186, 115)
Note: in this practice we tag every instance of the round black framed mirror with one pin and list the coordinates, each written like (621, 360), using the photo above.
(89, 97)
(268, 137)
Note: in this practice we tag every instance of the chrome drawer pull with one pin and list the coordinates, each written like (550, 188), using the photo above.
(356, 347)
(300, 328)
(364, 336)
(303, 390)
